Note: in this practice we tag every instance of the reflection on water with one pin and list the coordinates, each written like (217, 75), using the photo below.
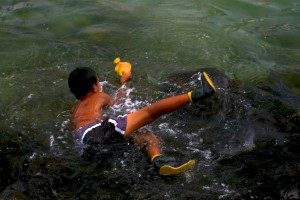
(245, 139)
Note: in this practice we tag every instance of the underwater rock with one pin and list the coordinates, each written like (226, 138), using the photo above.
(240, 114)
(266, 171)
(184, 82)
(256, 103)
(5, 171)
(15, 191)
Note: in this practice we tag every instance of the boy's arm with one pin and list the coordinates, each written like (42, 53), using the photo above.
(108, 100)
(122, 93)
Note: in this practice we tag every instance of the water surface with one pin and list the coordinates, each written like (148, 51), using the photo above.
(245, 139)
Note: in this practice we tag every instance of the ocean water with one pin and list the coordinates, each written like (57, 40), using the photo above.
(245, 139)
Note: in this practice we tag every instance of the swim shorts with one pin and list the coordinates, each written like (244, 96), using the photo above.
(105, 131)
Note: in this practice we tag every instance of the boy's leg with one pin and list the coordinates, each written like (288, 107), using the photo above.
(147, 139)
(150, 113)
(165, 165)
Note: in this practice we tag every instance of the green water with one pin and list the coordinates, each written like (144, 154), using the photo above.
(255, 43)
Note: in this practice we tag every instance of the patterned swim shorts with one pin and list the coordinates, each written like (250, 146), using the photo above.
(103, 132)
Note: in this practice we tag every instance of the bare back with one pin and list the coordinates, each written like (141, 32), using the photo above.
(90, 108)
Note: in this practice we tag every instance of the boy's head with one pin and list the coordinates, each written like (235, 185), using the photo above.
(81, 81)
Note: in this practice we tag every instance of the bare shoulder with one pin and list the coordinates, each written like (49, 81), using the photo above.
(92, 102)
(102, 98)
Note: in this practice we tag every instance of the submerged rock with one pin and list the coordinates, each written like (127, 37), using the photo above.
(269, 170)
(236, 101)
(15, 191)
(240, 114)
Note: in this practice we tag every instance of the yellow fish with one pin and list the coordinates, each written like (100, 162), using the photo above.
(122, 67)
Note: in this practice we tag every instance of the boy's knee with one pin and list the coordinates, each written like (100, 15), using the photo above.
(144, 137)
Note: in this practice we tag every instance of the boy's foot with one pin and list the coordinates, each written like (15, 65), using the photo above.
(206, 90)
(168, 166)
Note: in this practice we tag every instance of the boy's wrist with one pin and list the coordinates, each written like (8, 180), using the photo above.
(125, 77)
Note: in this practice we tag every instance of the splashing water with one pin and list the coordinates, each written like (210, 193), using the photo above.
(245, 139)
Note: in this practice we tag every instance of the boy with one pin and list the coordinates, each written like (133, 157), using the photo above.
(90, 127)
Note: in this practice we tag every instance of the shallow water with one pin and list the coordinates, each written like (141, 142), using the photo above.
(245, 139)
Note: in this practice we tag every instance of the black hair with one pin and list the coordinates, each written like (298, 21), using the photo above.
(81, 81)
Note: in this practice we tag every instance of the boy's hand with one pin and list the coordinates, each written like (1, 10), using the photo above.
(125, 77)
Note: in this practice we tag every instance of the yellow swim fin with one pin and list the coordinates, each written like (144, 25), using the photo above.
(167, 170)
(206, 76)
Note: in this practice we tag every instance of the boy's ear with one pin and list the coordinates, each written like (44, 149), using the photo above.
(94, 88)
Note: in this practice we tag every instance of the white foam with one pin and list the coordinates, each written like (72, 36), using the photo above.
(51, 139)
(166, 128)
(102, 84)
(128, 105)
(33, 156)
(30, 96)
